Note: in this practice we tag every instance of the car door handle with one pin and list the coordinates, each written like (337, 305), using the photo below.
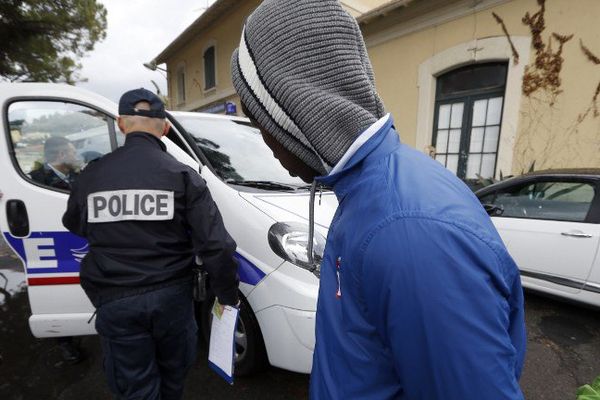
(17, 218)
(577, 234)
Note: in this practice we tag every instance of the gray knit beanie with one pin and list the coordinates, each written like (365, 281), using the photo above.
(303, 73)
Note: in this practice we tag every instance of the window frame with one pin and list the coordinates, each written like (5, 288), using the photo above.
(11, 146)
(181, 92)
(468, 98)
(210, 45)
(592, 216)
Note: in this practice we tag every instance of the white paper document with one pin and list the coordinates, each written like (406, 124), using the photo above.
(221, 350)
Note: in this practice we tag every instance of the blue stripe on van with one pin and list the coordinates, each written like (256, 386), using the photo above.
(61, 252)
(49, 252)
(249, 273)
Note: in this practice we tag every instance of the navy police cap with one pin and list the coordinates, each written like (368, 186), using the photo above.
(132, 97)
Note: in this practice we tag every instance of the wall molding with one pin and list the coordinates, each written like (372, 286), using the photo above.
(476, 51)
(439, 16)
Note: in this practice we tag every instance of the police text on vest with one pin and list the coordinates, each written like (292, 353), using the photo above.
(130, 205)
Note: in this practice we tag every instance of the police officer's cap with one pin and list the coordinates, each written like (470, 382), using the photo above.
(132, 97)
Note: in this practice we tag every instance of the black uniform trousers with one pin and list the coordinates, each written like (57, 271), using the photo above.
(149, 343)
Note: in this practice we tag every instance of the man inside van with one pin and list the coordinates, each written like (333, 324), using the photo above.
(61, 164)
(418, 298)
(60, 169)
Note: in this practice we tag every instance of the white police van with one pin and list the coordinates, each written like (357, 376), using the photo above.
(263, 207)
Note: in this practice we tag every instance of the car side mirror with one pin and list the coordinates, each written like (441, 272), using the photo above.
(493, 210)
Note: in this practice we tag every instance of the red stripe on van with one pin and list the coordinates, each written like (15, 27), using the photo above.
(63, 280)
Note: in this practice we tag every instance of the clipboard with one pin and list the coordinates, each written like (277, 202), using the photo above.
(221, 349)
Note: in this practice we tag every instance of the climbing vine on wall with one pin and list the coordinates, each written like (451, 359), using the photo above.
(593, 108)
(544, 72)
(544, 133)
(515, 53)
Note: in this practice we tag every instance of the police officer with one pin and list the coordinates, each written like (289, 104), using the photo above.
(146, 216)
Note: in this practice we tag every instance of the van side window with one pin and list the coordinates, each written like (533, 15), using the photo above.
(53, 141)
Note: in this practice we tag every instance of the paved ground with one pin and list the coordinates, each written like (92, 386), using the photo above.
(564, 353)
(563, 348)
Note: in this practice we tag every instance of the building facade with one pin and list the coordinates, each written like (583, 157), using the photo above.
(198, 60)
(491, 86)
(487, 87)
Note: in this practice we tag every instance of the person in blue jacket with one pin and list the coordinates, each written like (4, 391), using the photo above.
(419, 298)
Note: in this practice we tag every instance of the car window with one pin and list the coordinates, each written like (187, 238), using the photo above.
(236, 151)
(53, 141)
(548, 200)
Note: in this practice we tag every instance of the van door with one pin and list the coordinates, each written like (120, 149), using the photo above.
(48, 142)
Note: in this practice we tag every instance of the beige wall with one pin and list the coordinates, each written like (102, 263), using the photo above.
(546, 128)
(225, 34)
(357, 7)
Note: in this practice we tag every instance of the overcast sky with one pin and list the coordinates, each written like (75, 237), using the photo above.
(137, 31)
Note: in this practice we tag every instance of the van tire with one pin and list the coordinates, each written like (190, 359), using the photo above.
(254, 357)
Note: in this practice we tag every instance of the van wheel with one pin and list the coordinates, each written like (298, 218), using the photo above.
(250, 353)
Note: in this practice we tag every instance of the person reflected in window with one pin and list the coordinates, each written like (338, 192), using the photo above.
(61, 164)
(60, 169)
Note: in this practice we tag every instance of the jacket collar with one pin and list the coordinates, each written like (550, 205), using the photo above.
(50, 168)
(144, 137)
(357, 144)
(379, 144)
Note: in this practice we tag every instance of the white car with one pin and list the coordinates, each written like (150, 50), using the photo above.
(550, 223)
(263, 207)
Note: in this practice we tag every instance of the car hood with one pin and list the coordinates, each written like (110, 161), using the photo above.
(284, 207)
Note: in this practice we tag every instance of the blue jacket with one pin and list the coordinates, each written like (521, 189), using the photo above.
(429, 303)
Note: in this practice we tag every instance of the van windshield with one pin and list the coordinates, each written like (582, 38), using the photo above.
(238, 153)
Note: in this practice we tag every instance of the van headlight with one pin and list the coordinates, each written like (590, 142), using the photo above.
(289, 240)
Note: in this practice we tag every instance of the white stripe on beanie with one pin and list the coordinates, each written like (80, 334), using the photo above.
(250, 73)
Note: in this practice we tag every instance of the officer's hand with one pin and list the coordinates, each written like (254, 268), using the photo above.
(219, 308)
